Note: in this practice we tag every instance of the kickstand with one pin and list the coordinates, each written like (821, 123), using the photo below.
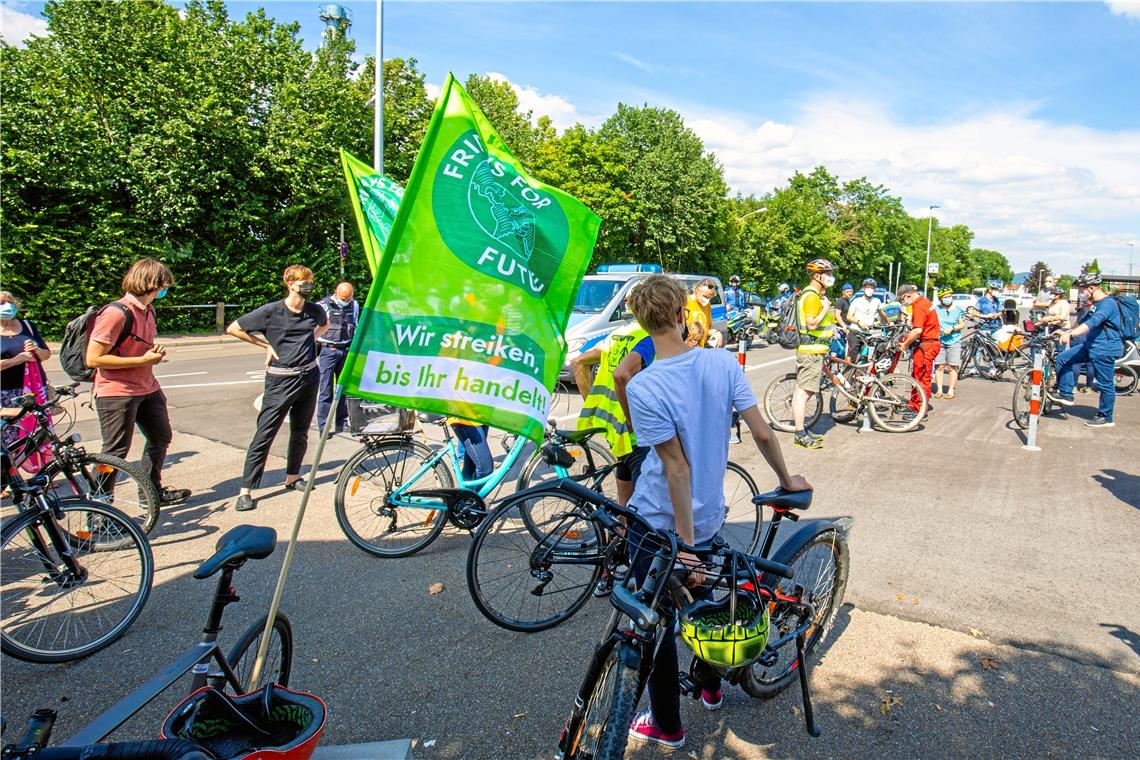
(809, 716)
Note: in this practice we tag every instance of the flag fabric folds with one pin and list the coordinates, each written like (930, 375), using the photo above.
(475, 283)
(376, 199)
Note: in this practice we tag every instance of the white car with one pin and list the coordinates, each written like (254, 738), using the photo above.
(963, 300)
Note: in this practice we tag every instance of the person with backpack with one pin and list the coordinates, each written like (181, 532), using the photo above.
(122, 352)
(815, 321)
(22, 354)
(1104, 327)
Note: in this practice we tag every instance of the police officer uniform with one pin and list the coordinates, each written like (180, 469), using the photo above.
(333, 347)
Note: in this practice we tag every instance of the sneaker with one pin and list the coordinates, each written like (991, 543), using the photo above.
(712, 700)
(1100, 422)
(168, 496)
(737, 439)
(805, 441)
(645, 729)
(244, 503)
(1064, 400)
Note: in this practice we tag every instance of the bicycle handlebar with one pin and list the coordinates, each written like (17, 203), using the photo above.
(154, 749)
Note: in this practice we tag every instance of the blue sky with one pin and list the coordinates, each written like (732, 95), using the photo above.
(1021, 120)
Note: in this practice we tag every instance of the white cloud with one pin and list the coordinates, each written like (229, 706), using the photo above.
(432, 90)
(16, 27)
(1129, 8)
(562, 112)
(1028, 188)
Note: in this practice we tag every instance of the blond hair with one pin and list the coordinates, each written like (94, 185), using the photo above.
(697, 332)
(657, 302)
(146, 276)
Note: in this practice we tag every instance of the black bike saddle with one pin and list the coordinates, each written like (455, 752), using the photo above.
(237, 545)
(577, 436)
(431, 419)
(781, 499)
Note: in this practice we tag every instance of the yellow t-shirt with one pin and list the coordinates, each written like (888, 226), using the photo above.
(695, 312)
(811, 305)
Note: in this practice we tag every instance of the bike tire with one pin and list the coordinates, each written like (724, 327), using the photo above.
(586, 733)
(131, 491)
(513, 573)
(888, 401)
(278, 658)
(538, 470)
(986, 363)
(826, 593)
(743, 518)
(778, 404)
(841, 408)
(31, 569)
(367, 519)
(968, 351)
(626, 692)
(1125, 380)
(1022, 390)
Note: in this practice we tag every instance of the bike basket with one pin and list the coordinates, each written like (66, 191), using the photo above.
(272, 723)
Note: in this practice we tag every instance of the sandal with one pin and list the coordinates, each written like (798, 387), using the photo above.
(949, 395)
(937, 394)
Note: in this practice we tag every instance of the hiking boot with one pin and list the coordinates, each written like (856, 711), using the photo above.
(244, 503)
(645, 729)
(1100, 422)
(805, 441)
(168, 496)
(712, 700)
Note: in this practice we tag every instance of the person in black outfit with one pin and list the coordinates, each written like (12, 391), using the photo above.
(343, 314)
(290, 328)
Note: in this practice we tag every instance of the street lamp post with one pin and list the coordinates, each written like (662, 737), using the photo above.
(752, 213)
(378, 113)
(1131, 250)
(926, 273)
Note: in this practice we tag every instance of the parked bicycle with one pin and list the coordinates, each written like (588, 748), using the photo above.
(868, 386)
(1023, 385)
(536, 560)
(984, 354)
(395, 495)
(1126, 374)
(73, 471)
(779, 605)
(74, 573)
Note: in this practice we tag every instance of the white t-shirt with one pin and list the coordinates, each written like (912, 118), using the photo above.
(691, 396)
(864, 311)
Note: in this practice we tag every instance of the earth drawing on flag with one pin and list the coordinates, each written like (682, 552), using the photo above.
(514, 225)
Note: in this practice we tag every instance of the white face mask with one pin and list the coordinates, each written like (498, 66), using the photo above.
(869, 292)
(828, 280)
(704, 300)
(947, 301)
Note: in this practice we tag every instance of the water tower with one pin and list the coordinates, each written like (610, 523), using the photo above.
(337, 18)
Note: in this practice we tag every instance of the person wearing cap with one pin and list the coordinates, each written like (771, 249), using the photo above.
(951, 320)
(925, 335)
(861, 315)
(988, 310)
(1101, 327)
(815, 320)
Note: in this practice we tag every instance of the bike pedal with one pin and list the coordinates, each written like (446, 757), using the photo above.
(768, 657)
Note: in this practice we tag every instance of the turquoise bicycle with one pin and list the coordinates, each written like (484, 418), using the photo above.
(395, 495)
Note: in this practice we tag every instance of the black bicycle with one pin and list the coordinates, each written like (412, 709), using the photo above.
(801, 602)
(33, 745)
(982, 353)
(73, 471)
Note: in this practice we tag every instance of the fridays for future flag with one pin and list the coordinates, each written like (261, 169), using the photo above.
(376, 200)
(475, 284)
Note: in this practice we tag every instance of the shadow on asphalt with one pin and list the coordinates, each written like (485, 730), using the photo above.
(1122, 485)
(1127, 635)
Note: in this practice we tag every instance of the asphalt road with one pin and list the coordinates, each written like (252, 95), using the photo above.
(965, 547)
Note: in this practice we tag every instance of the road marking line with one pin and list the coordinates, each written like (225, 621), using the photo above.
(179, 374)
(200, 348)
(769, 364)
(208, 385)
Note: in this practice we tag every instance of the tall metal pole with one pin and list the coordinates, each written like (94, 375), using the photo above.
(926, 274)
(378, 116)
(1131, 250)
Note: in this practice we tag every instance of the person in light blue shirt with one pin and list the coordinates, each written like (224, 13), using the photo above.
(989, 309)
(950, 322)
(1103, 326)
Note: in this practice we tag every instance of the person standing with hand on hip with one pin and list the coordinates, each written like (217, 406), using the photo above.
(288, 329)
(343, 314)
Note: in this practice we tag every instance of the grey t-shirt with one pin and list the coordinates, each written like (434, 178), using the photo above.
(691, 396)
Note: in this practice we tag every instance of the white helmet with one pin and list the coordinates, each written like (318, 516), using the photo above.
(784, 287)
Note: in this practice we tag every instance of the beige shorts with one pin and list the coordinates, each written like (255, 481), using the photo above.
(809, 371)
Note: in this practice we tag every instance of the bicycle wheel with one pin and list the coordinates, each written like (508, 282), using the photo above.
(538, 470)
(1022, 393)
(778, 404)
(626, 691)
(841, 408)
(742, 517)
(1125, 380)
(109, 480)
(821, 567)
(278, 657)
(363, 498)
(986, 362)
(968, 350)
(55, 610)
(1019, 360)
(588, 733)
(888, 402)
(527, 579)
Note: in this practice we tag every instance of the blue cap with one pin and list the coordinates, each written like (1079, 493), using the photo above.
(847, 286)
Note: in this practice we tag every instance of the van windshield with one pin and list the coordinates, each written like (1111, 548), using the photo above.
(594, 295)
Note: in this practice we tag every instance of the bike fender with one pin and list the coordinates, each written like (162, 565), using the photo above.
(630, 655)
(805, 532)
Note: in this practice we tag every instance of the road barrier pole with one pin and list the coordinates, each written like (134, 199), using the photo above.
(741, 352)
(1034, 401)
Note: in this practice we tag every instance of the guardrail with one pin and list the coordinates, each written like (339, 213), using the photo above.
(219, 312)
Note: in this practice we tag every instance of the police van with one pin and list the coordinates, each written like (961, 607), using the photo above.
(600, 307)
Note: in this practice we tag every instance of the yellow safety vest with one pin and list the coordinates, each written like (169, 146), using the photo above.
(601, 408)
(817, 340)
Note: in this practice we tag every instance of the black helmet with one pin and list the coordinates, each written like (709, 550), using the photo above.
(870, 281)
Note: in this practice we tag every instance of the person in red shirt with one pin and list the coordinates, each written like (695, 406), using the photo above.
(126, 391)
(925, 332)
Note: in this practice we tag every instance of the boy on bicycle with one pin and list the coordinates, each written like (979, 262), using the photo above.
(682, 406)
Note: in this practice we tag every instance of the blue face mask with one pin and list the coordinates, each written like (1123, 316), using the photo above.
(8, 311)
(162, 293)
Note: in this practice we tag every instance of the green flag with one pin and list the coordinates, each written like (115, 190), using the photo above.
(472, 293)
(376, 198)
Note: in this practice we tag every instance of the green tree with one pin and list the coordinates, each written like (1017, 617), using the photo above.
(990, 265)
(1091, 267)
(501, 107)
(1037, 274)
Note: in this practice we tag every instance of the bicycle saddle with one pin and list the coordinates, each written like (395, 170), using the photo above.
(431, 419)
(577, 436)
(781, 499)
(236, 546)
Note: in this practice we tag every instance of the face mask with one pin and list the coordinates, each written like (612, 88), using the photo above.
(304, 288)
(704, 300)
(869, 292)
(8, 311)
(828, 280)
(947, 301)
(162, 293)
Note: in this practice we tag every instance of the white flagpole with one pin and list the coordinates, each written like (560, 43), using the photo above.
(378, 101)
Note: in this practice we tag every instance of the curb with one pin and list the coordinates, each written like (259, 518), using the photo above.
(173, 341)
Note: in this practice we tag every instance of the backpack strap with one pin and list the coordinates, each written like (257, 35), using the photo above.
(128, 324)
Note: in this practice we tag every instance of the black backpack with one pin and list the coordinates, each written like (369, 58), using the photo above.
(73, 349)
(788, 331)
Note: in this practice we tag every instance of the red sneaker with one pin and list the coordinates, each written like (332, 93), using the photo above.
(645, 729)
(712, 700)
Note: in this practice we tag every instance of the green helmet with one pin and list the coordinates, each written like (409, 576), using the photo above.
(709, 629)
